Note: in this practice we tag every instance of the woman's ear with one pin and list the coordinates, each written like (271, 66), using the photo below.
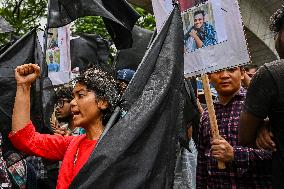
(102, 104)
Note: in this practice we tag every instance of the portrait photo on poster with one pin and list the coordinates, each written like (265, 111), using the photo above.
(212, 39)
(53, 60)
(58, 54)
(52, 41)
(203, 26)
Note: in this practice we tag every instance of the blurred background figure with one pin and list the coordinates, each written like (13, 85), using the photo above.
(123, 77)
(62, 122)
(52, 65)
(249, 72)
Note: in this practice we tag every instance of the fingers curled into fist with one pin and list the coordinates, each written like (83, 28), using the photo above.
(27, 73)
(27, 69)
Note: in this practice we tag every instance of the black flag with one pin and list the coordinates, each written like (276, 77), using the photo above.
(118, 15)
(25, 50)
(131, 58)
(139, 150)
(88, 49)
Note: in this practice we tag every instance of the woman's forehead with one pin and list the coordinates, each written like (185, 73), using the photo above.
(78, 87)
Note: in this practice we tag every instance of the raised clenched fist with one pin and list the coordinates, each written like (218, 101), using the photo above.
(27, 73)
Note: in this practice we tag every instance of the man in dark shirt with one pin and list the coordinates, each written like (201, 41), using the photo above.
(265, 98)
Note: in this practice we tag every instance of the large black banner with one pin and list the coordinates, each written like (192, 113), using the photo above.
(139, 150)
(25, 50)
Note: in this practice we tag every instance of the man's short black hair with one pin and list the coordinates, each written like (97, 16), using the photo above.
(276, 20)
(199, 12)
(64, 91)
(250, 66)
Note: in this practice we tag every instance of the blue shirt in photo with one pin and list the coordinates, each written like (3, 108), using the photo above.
(53, 67)
(207, 35)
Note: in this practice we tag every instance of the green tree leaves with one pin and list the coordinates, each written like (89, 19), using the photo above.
(22, 15)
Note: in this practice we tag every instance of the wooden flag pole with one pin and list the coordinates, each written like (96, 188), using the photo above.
(211, 113)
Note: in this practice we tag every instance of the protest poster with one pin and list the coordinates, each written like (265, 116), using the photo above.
(213, 40)
(209, 31)
(58, 54)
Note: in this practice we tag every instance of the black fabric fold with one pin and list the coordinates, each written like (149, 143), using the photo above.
(119, 17)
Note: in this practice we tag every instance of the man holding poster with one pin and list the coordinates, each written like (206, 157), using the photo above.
(246, 167)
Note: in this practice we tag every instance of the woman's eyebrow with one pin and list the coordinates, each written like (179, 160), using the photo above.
(76, 92)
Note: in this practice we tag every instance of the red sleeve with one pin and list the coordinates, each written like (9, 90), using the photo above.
(44, 145)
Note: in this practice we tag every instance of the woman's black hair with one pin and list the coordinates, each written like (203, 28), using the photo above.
(100, 80)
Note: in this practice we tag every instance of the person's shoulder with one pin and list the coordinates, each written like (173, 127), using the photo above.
(276, 63)
(262, 72)
(207, 25)
(272, 71)
(275, 68)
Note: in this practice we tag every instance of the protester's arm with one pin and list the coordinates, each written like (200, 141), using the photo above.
(23, 134)
(223, 151)
(201, 169)
(248, 128)
(245, 158)
(44, 145)
(197, 40)
(264, 139)
(25, 75)
(260, 95)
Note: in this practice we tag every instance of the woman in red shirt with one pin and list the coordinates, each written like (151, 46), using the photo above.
(95, 96)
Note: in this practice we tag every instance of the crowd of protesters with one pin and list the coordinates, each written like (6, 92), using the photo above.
(249, 110)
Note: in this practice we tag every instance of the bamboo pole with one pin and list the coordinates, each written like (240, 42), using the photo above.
(211, 113)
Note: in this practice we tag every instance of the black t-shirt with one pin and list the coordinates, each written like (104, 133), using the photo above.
(265, 98)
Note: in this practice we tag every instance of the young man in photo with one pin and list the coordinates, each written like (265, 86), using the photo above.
(202, 34)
